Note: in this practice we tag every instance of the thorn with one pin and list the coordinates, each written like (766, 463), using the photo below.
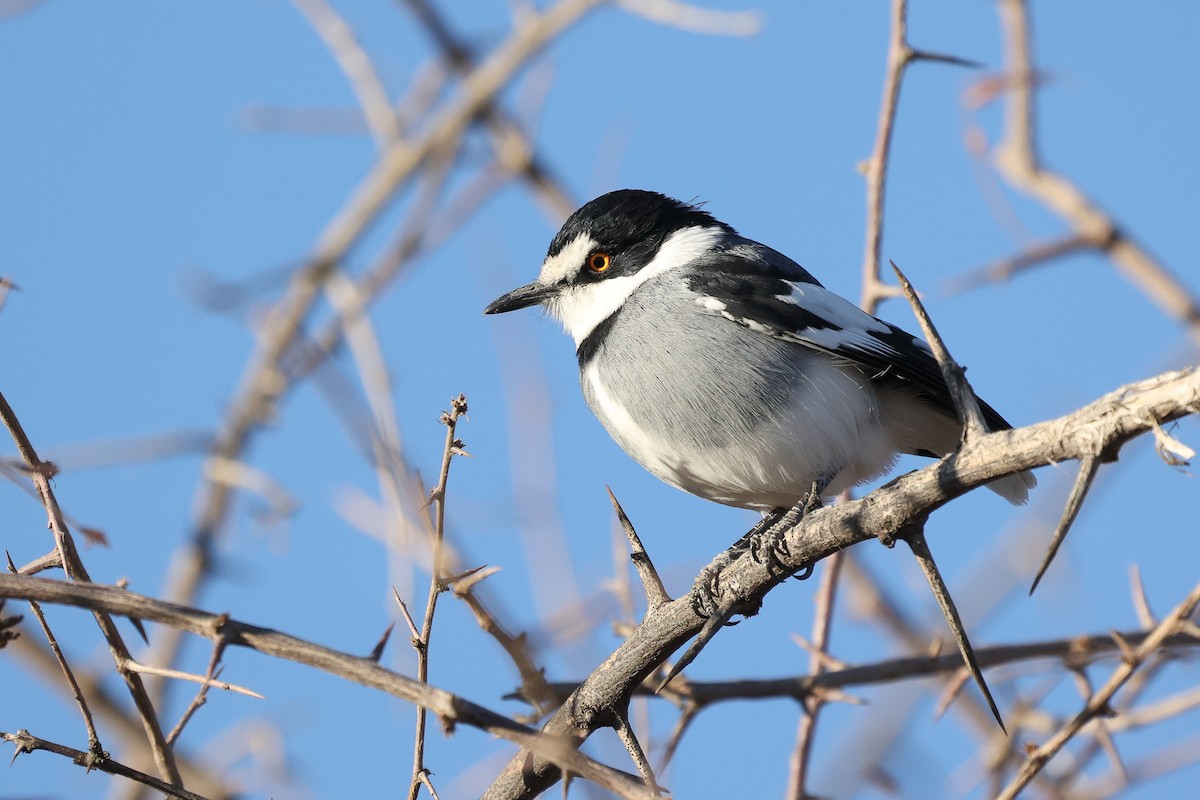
(465, 581)
(652, 585)
(965, 401)
(714, 623)
(1079, 491)
(916, 542)
(943, 58)
(377, 651)
(1141, 603)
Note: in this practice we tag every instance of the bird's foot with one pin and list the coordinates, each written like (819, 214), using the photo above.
(768, 543)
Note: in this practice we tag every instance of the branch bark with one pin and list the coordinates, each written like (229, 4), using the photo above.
(1110, 422)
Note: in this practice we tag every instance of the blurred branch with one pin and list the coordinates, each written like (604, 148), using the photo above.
(683, 16)
(1017, 158)
(1112, 420)
(364, 671)
(40, 473)
(1008, 268)
(358, 68)
(513, 148)
(264, 381)
(1074, 652)
(813, 701)
(1098, 704)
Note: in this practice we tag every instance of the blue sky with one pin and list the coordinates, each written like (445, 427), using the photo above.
(130, 175)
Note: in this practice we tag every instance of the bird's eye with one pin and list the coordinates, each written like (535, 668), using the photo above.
(599, 262)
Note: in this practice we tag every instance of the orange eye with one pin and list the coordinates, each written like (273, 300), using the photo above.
(599, 262)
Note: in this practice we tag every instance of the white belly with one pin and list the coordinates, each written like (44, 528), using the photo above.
(827, 428)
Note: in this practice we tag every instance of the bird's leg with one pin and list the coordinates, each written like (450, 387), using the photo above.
(767, 543)
(707, 587)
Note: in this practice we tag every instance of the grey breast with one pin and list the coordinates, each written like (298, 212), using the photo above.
(690, 374)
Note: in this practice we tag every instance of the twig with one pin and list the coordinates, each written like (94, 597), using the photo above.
(823, 605)
(451, 708)
(204, 681)
(41, 472)
(453, 447)
(1017, 158)
(1098, 704)
(358, 68)
(1111, 420)
(25, 742)
(202, 695)
(94, 746)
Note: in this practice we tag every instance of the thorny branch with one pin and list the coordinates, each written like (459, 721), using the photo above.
(26, 742)
(40, 473)
(364, 671)
(265, 382)
(1098, 703)
(437, 585)
(1018, 160)
(1112, 420)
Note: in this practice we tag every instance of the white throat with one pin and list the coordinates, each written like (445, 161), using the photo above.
(582, 307)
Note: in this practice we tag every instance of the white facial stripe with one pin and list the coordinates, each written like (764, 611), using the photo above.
(581, 308)
(568, 261)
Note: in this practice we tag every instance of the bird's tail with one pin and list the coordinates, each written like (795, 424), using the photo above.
(917, 427)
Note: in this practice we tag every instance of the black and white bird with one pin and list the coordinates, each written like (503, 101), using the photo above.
(726, 369)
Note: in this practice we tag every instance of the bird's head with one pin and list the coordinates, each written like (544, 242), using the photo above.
(607, 249)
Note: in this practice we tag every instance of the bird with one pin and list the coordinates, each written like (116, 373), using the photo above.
(726, 369)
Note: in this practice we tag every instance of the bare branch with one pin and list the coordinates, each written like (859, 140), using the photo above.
(1098, 703)
(358, 68)
(1111, 420)
(818, 662)
(450, 707)
(1017, 158)
(25, 742)
(41, 472)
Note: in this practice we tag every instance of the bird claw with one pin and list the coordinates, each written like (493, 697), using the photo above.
(706, 591)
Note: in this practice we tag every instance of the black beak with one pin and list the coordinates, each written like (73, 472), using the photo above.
(531, 294)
